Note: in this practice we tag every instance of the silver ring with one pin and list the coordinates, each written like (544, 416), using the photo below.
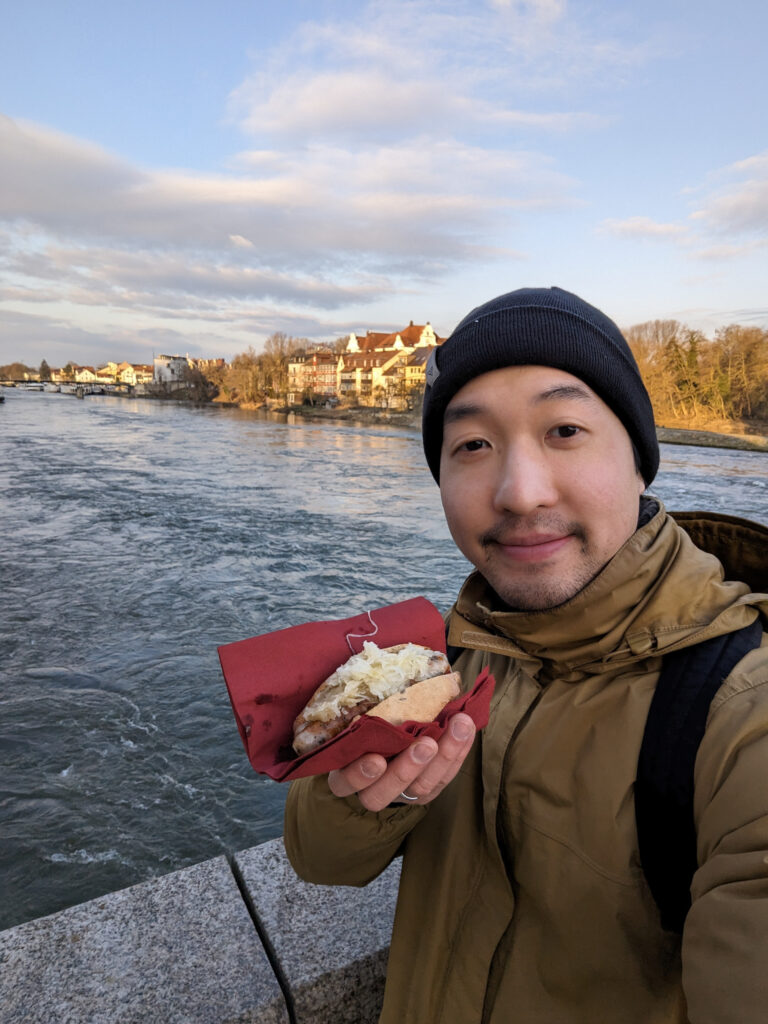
(405, 796)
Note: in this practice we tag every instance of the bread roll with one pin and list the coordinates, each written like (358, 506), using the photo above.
(421, 702)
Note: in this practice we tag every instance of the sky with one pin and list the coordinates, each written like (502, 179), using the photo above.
(190, 176)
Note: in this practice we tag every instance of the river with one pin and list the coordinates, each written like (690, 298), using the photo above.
(137, 536)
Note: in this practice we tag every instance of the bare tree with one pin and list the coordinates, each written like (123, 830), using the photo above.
(243, 379)
(278, 349)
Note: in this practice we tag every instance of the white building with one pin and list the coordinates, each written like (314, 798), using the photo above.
(170, 369)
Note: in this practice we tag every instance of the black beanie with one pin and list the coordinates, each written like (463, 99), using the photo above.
(541, 327)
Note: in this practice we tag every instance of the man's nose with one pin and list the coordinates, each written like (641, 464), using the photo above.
(525, 481)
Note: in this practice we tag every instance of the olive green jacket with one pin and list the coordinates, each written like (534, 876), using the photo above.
(522, 900)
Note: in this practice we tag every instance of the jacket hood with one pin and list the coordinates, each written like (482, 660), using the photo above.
(659, 592)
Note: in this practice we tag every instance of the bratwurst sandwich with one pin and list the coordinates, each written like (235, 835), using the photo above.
(405, 683)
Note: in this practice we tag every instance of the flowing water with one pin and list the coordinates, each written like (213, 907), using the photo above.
(137, 536)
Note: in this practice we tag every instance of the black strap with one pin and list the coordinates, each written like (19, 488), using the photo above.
(452, 653)
(676, 721)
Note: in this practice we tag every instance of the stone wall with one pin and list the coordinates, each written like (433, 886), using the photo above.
(234, 940)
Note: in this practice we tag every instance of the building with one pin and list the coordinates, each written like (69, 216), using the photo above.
(386, 369)
(84, 374)
(170, 369)
(107, 374)
(414, 370)
(413, 336)
(207, 364)
(361, 375)
(312, 374)
(135, 373)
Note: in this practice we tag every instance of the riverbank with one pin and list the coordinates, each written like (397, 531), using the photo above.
(723, 434)
(357, 414)
(337, 414)
(412, 419)
(712, 439)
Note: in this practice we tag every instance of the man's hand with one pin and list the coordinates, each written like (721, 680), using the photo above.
(421, 771)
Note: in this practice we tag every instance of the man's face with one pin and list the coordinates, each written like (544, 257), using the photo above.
(538, 483)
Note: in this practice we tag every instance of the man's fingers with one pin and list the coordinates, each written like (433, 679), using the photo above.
(422, 770)
(358, 775)
(453, 747)
(401, 772)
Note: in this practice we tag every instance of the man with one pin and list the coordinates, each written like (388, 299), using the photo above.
(522, 898)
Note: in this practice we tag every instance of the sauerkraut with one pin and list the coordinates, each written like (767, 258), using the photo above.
(374, 674)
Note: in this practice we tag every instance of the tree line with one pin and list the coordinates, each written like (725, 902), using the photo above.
(690, 378)
(252, 377)
(696, 379)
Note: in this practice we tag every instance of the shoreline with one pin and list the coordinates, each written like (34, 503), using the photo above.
(666, 435)
(712, 439)
(693, 436)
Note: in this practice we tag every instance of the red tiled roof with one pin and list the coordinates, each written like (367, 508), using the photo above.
(373, 340)
(410, 337)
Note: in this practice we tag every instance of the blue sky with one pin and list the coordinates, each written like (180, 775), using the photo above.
(191, 177)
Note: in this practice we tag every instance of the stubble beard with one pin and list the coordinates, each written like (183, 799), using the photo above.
(538, 587)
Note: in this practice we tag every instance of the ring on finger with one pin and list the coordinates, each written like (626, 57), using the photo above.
(404, 796)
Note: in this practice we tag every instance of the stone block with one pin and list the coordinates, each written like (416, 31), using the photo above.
(175, 949)
(330, 942)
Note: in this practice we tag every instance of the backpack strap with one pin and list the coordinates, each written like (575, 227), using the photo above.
(676, 722)
(451, 653)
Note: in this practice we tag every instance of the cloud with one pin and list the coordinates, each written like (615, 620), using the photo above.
(351, 104)
(644, 228)
(402, 68)
(544, 10)
(108, 242)
(709, 319)
(62, 337)
(730, 250)
(730, 221)
(160, 281)
(739, 206)
(368, 105)
(58, 339)
(382, 151)
(405, 201)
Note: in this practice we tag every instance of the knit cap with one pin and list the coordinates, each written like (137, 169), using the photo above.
(541, 327)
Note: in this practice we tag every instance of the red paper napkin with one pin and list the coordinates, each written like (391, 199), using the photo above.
(270, 678)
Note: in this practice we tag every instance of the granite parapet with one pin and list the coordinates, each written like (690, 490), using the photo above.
(179, 948)
(329, 943)
(233, 940)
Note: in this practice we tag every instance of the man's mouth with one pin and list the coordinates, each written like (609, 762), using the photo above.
(532, 547)
(531, 542)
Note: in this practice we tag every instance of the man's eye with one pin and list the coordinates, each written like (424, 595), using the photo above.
(565, 431)
(473, 446)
